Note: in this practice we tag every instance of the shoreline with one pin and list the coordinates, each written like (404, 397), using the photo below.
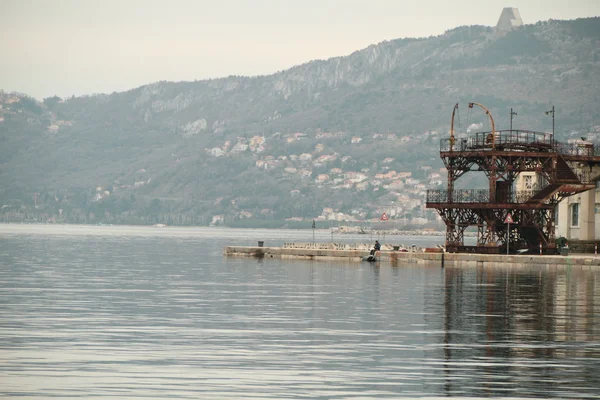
(322, 231)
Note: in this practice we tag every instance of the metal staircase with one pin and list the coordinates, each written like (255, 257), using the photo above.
(565, 180)
(564, 173)
(544, 194)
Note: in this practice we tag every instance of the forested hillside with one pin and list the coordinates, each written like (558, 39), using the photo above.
(342, 138)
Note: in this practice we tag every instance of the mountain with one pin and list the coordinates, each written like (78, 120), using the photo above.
(343, 138)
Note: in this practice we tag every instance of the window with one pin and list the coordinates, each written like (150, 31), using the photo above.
(575, 214)
(528, 182)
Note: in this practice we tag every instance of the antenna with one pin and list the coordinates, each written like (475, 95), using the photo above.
(511, 117)
(548, 113)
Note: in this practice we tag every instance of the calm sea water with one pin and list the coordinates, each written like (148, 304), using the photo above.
(124, 312)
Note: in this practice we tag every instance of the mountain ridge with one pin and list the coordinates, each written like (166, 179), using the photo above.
(403, 87)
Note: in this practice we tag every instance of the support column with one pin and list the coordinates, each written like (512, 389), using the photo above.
(587, 217)
(493, 177)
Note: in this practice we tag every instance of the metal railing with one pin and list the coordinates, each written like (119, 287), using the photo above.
(514, 138)
(478, 196)
(584, 175)
(519, 141)
(458, 196)
(577, 149)
(521, 196)
(462, 144)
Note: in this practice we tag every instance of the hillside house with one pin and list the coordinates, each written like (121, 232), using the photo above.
(239, 148)
(215, 152)
(256, 141)
(395, 185)
(305, 173)
(321, 178)
(217, 220)
(244, 214)
(53, 128)
(355, 177)
(387, 176)
(305, 158)
(362, 186)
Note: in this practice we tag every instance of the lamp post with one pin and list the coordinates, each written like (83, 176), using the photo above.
(511, 117)
(548, 113)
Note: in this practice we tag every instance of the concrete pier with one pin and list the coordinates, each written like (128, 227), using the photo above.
(429, 259)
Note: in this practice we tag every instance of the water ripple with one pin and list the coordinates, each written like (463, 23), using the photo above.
(156, 316)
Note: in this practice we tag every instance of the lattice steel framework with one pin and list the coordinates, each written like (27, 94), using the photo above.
(502, 156)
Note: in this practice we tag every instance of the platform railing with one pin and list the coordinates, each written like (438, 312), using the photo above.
(478, 196)
(577, 149)
(458, 196)
(513, 138)
(585, 176)
(518, 140)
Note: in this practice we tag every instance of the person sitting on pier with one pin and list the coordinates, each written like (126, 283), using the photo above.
(375, 248)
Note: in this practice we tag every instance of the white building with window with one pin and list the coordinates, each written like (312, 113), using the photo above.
(579, 216)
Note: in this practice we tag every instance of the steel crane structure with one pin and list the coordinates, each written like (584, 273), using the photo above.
(562, 170)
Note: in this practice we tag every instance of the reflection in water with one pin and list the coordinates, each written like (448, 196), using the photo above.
(125, 316)
(532, 332)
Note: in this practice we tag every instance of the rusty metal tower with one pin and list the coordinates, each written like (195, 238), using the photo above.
(562, 170)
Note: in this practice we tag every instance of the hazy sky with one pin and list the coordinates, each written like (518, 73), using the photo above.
(74, 47)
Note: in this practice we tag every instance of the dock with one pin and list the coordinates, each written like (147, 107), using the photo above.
(425, 257)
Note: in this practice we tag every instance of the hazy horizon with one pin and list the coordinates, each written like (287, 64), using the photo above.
(84, 47)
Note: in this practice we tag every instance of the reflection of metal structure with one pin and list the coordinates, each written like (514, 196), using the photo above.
(563, 170)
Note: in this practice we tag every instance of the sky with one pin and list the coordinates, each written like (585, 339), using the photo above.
(77, 47)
